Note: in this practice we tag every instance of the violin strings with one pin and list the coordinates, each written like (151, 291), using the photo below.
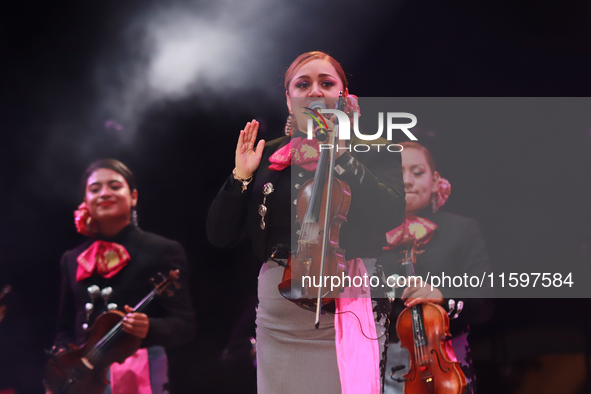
(104, 342)
(418, 349)
(419, 340)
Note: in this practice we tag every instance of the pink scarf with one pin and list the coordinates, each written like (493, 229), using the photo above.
(305, 153)
(358, 357)
(133, 375)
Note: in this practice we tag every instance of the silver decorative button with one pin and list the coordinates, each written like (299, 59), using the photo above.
(106, 293)
(295, 202)
(301, 174)
(297, 186)
(268, 188)
(93, 291)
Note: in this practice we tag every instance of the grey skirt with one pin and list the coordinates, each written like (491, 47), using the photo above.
(292, 356)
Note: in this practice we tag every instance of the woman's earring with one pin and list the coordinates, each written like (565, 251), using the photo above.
(434, 203)
(288, 125)
(134, 217)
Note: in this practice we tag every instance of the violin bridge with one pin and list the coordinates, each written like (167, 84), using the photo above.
(307, 242)
(306, 265)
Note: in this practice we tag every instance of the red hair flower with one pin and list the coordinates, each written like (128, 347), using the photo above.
(352, 105)
(83, 221)
(443, 192)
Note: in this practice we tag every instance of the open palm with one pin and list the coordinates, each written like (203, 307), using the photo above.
(247, 158)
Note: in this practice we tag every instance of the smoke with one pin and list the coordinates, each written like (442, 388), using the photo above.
(204, 53)
(194, 54)
(221, 48)
(185, 49)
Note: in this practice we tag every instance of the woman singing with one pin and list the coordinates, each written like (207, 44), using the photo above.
(293, 356)
(112, 270)
(450, 244)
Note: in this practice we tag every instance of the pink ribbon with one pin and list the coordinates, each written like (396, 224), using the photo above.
(415, 227)
(106, 258)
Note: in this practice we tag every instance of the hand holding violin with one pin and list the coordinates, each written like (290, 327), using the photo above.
(136, 324)
(422, 293)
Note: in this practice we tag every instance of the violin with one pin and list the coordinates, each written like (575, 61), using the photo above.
(83, 370)
(322, 206)
(423, 330)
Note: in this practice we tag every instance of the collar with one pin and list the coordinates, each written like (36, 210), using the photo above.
(121, 235)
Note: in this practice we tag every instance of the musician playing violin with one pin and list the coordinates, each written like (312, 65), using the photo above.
(111, 270)
(292, 355)
(443, 242)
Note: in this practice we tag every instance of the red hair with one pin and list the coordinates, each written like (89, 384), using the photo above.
(308, 57)
(419, 147)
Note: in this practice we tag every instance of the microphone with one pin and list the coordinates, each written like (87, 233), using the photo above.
(320, 133)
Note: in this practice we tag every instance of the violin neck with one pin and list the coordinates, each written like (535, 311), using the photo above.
(313, 211)
(416, 311)
(418, 325)
(143, 304)
(325, 161)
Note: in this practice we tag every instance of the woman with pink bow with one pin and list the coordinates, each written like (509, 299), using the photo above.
(447, 244)
(111, 270)
(257, 203)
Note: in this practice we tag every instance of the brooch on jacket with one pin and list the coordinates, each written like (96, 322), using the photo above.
(267, 189)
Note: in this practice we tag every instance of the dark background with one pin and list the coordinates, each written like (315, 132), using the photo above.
(66, 66)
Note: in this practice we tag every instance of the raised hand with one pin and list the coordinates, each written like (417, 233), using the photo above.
(248, 158)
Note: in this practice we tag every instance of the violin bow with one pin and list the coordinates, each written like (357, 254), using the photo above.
(333, 154)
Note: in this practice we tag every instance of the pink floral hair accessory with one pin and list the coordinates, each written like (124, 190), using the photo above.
(83, 221)
(352, 104)
(443, 192)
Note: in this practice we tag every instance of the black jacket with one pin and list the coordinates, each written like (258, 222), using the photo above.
(172, 319)
(457, 248)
